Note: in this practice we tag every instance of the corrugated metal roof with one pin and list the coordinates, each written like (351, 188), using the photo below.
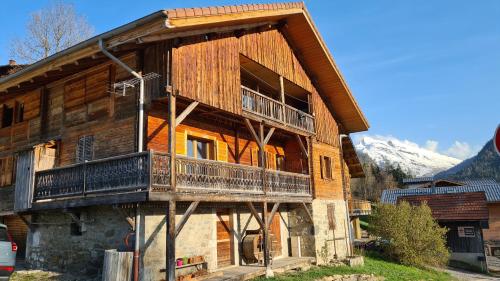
(490, 187)
(418, 180)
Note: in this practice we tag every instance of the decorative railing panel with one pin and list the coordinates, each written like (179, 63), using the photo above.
(266, 107)
(208, 175)
(160, 172)
(279, 182)
(127, 172)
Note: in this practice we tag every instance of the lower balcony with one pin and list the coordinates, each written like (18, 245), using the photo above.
(359, 207)
(148, 172)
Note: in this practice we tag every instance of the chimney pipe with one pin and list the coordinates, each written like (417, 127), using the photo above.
(12, 62)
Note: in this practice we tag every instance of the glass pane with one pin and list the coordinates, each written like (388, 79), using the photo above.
(3, 235)
(202, 151)
(190, 148)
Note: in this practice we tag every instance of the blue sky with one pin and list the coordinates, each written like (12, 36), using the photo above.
(424, 71)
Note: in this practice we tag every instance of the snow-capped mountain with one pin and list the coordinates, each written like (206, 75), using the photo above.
(412, 158)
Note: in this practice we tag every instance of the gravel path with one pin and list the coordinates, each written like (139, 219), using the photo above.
(463, 275)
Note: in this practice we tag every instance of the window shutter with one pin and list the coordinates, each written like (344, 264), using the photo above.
(85, 149)
(222, 151)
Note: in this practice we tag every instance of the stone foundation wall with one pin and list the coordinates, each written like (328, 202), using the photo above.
(51, 245)
(327, 242)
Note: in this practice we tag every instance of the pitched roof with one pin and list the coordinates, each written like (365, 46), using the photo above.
(490, 187)
(466, 206)
(298, 28)
(418, 180)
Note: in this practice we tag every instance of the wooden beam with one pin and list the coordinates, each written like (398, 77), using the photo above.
(256, 215)
(273, 212)
(129, 219)
(185, 113)
(308, 212)
(172, 138)
(302, 146)
(170, 241)
(282, 89)
(252, 131)
(266, 236)
(268, 136)
(185, 217)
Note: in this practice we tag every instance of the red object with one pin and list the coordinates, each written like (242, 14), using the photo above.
(14, 245)
(467, 206)
(7, 268)
(496, 140)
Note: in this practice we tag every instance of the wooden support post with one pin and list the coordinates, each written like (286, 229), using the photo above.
(262, 154)
(266, 238)
(185, 217)
(282, 98)
(170, 243)
(185, 113)
(268, 136)
(171, 138)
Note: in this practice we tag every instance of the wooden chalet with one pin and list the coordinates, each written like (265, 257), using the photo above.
(208, 117)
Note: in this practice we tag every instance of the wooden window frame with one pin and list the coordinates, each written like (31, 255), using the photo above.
(18, 112)
(88, 141)
(11, 109)
(211, 151)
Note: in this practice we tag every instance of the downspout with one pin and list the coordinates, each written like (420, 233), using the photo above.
(140, 144)
(349, 248)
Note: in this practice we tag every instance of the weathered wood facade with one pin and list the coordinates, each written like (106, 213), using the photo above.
(251, 125)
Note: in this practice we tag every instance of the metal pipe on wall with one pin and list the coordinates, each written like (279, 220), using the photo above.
(140, 147)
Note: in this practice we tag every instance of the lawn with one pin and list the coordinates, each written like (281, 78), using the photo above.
(391, 272)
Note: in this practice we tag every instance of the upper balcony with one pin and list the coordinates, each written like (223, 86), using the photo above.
(271, 109)
(149, 172)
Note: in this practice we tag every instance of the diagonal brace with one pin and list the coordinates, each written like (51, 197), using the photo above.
(256, 214)
(271, 215)
(185, 217)
(186, 112)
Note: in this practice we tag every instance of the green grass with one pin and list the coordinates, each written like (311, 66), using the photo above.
(38, 276)
(391, 271)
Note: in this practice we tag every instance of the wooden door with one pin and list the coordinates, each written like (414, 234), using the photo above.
(276, 232)
(25, 173)
(224, 239)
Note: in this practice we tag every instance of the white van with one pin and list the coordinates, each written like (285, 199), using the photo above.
(8, 250)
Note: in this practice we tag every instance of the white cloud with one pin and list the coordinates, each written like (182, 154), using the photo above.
(461, 150)
(431, 145)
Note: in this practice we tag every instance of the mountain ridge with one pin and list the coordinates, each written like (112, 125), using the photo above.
(412, 159)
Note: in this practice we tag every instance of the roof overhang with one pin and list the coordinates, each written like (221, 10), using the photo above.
(299, 30)
(351, 159)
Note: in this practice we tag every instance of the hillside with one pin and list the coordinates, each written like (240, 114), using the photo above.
(486, 164)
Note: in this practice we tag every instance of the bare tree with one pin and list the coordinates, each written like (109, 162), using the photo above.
(49, 31)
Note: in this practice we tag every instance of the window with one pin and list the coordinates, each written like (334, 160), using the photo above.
(326, 167)
(200, 148)
(85, 149)
(75, 229)
(19, 112)
(7, 116)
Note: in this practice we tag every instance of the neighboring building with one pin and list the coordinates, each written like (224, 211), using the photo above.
(465, 215)
(241, 133)
(491, 189)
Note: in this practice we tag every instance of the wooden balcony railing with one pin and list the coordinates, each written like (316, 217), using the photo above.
(148, 171)
(266, 107)
(359, 207)
(122, 173)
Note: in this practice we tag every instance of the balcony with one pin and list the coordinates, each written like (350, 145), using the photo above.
(149, 172)
(359, 207)
(273, 110)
